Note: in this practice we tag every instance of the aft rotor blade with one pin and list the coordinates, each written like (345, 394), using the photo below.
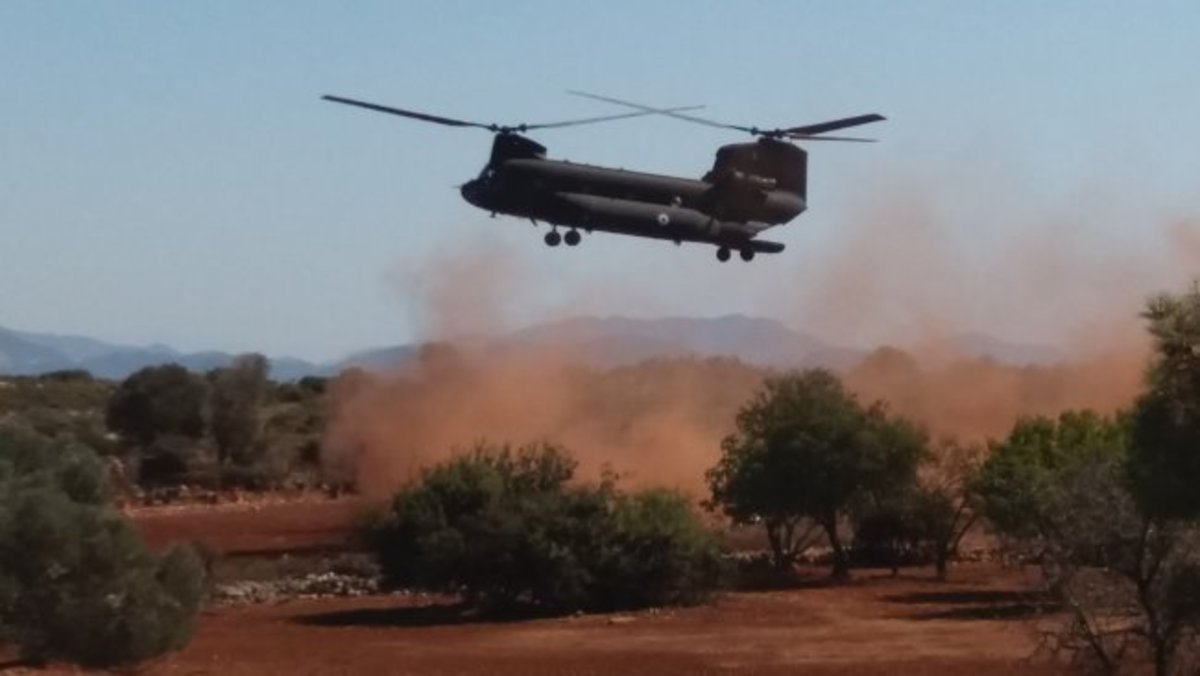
(669, 112)
(448, 121)
(834, 125)
(807, 132)
(604, 118)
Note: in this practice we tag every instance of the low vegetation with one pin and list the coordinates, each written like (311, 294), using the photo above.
(509, 529)
(77, 583)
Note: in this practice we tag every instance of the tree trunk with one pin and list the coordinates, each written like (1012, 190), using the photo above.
(1162, 659)
(778, 557)
(942, 562)
(841, 564)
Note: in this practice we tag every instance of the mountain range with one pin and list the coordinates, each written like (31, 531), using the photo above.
(597, 341)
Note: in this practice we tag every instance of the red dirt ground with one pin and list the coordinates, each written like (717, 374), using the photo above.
(981, 623)
(903, 626)
(253, 527)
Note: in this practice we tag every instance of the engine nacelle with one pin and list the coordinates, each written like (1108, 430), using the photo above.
(739, 195)
(751, 181)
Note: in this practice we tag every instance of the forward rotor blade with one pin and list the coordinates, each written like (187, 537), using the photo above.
(810, 137)
(604, 118)
(669, 112)
(834, 125)
(451, 122)
(448, 121)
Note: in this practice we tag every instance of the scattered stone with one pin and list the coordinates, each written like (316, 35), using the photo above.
(313, 586)
(620, 619)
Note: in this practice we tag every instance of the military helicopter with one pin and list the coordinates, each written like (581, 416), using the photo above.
(751, 186)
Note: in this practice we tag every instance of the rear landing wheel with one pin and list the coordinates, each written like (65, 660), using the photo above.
(553, 238)
(723, 254)
(747, 254)
(572, 237)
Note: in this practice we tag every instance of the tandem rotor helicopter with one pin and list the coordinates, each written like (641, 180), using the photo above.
(751, 186)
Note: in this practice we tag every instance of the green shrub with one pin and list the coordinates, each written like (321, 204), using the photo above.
(507, 528)
(656, 553)
(77, 582)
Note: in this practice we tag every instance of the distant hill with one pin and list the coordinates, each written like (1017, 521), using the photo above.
(596, 341)
(28, 353)
(20, 354)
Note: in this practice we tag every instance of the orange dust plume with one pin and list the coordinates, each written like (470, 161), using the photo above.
(898, 275)
(657, 422)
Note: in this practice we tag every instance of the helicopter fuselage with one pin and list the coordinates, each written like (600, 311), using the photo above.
(751, 186)
(727, 208)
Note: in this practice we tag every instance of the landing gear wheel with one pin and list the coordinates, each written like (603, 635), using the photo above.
(553, 238)
(747, 254)
(723, 254)
(572, 237)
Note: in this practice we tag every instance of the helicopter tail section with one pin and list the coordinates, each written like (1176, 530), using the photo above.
(764, 246)
(764, 165)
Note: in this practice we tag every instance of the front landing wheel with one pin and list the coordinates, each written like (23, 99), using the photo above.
(723, 254)
(553, 238)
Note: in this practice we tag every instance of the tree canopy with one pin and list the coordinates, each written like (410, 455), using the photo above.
(158, 401)
(1166, 419)
(805, 448)
(237, 394)
(1020, 480)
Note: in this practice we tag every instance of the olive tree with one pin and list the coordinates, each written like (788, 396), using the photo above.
(237, 394)
(158, 401)
(922, 521)
(945, 506)
(806, 450)
(1059, 489)
(159, 411)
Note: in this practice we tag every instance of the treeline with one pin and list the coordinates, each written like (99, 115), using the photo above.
(230, 427)
(166, 426)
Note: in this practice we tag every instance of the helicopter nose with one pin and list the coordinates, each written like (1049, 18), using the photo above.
(470, 191)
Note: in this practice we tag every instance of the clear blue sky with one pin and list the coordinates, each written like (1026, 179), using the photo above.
(169, 174)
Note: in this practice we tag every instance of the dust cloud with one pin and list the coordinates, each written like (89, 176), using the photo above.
(898, 275)
(905, 272)
(654, 423)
